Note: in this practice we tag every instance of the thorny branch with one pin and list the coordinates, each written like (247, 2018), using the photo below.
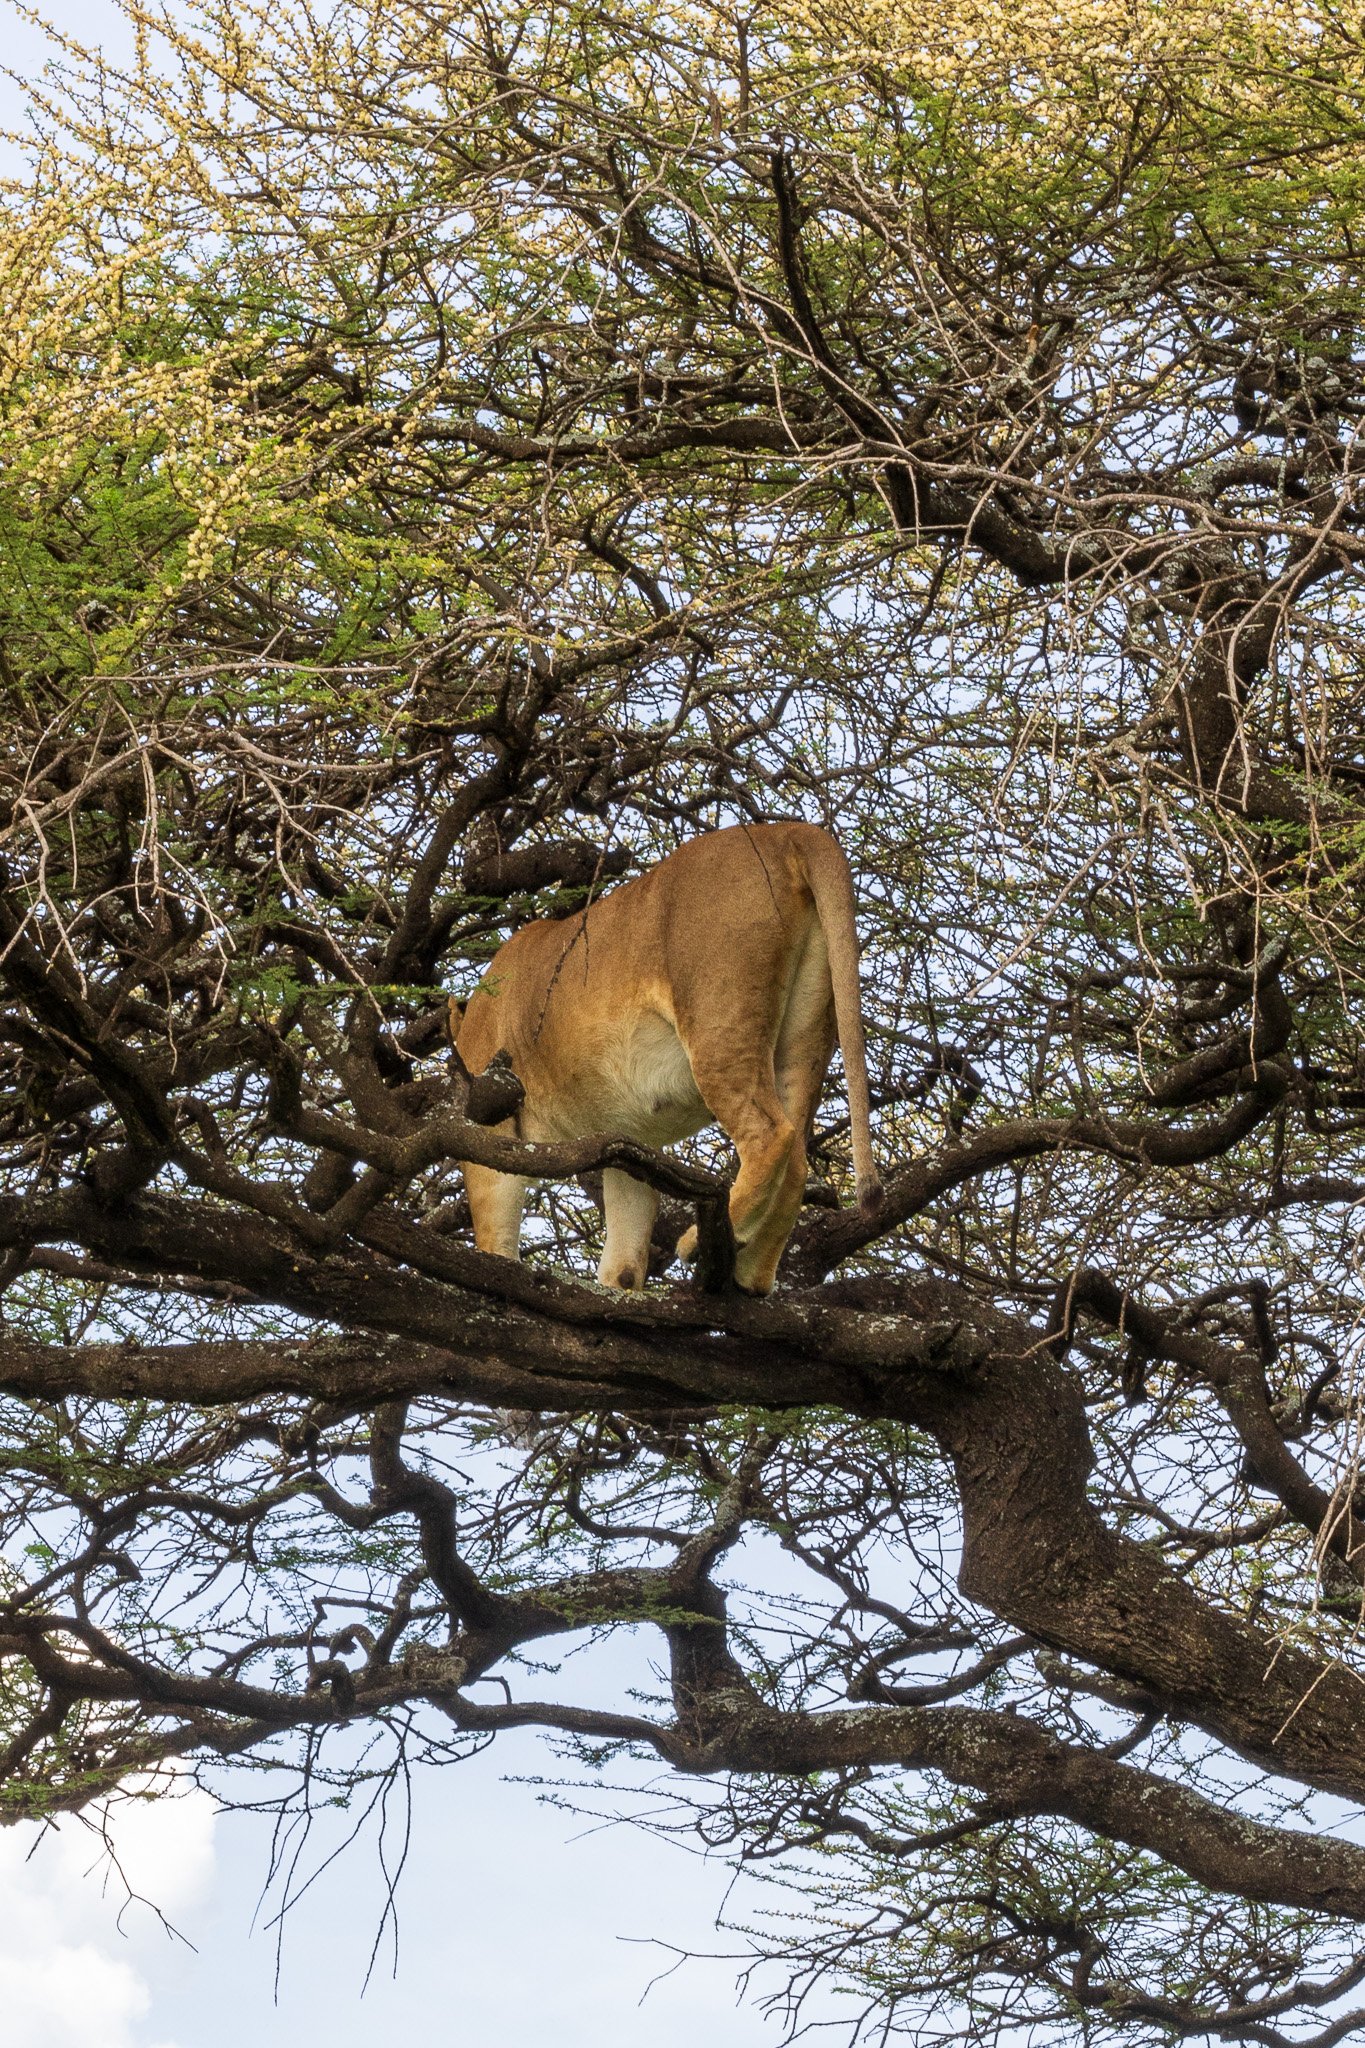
(587, 434)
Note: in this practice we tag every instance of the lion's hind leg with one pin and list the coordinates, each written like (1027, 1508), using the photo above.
(764, 1203)
(774, 1181)
(631, 1208)
(740, 1093)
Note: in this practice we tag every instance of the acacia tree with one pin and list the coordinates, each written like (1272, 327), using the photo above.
(449, 457)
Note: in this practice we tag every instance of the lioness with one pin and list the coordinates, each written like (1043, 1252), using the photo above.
(705, 991)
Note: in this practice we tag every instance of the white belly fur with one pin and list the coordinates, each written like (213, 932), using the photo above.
(640, 1087)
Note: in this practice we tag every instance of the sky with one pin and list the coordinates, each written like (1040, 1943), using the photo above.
(520, 1925)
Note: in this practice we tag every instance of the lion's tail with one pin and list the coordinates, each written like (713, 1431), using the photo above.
(831, 884)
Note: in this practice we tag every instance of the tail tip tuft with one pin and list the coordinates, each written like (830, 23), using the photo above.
(871, 1195)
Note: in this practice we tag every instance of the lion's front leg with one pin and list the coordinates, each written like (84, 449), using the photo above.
(496, 1201)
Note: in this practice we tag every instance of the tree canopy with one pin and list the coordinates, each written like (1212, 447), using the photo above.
(452, 455)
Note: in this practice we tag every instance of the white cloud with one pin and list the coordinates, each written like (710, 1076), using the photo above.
(69, 1997)
(73, 1946)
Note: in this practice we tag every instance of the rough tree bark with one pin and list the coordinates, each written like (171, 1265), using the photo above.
(449, 460)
